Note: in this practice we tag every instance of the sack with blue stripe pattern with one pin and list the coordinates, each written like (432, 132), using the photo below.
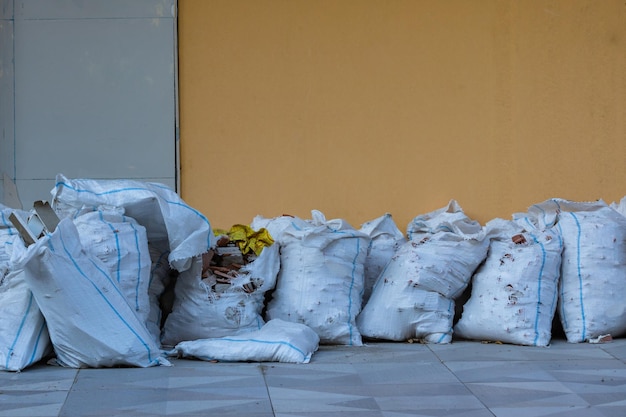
(24, 336)
(170, 223)
(89, 320)
(276, 341)
(320, 283)
(122, 245)
(593, 269)
(514, 292)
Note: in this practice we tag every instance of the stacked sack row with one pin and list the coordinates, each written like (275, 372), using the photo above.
(121, 281)
(376, 283)
(560, 260)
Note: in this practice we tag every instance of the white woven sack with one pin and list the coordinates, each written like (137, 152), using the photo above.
(514, 292)
(170, 223)
(386, 238)
(122, 245)
(278, 225)
(320, 282)
(89, 320)
(24, 338)
(200, 313)
(593, 269)
(276, 341)
(414, 295)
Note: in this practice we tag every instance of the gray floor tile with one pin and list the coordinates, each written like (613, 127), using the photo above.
(617, 349)
(38, 377)
(430, 402)
(291, 400)
(478, 351)
(558, 411)
(468, 379)
(31, 403)
(359, 413)
(405, 373)
(499, 371)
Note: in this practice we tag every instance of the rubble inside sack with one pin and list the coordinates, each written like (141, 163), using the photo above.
(223, 292)
(221, 266)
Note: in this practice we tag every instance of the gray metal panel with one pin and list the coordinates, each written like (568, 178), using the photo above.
(95, 98)
(6, 9)
(7, 131)
(89, 9)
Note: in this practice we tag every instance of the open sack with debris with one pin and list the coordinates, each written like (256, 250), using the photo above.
(320, 282)
(222, 294)
(514, 292)
(276, 341)
(414, 296)
(24, 338)
(593, 267)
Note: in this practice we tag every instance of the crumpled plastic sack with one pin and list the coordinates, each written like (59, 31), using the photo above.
(88, 318)
(170, 223)
(247, 239)
(24, 338)
(276, 341)
(200, 313)
(414, 296)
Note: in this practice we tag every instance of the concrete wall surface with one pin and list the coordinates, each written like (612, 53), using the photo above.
(362, 107)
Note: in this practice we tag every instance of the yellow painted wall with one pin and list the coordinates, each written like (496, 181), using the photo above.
(361, 107)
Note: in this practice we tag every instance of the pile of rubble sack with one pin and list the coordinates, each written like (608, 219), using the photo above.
(125, 273)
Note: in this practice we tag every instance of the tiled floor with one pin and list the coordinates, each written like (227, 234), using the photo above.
(468, 379)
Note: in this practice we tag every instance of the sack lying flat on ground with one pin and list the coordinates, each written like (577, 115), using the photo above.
(593, 267)
(386, 238)
(199, 312)
(414, 295)
(514, 292)
(320, 282)
(276, 341)
(24, 336)
(88, 318)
